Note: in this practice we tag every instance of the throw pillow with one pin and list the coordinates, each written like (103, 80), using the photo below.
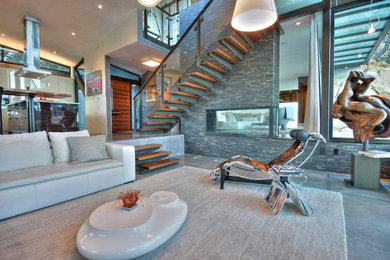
(60, 146)
(20, 151)
(87, 149)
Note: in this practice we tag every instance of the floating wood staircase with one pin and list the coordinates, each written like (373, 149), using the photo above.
(191, 87)
(148, 159)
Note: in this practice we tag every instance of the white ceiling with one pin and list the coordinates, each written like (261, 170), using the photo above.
(135, 54)
(59, 19)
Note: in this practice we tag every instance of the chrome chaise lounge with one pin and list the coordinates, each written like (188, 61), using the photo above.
(258, 172)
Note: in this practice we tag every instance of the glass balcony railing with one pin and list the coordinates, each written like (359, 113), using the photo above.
(162, 23)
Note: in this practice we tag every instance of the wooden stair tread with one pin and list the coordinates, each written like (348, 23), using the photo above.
(170, 110)
(162, 117)
(195, 86)
(235, 42)
(185, 94)
(147, 156)
(202, 76)
(150, 129)
(147, 147)
(159, 164)
(223, 55)
(177, 102)
(156, 123)
(213, 66)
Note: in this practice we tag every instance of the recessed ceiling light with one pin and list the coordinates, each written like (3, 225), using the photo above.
(54, 52)
(73, 33)
(151, 63)
(346, 67)
(3, 35)
(298, 23)
(100, 7)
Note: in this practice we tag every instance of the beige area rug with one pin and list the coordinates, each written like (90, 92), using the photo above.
(221, 224)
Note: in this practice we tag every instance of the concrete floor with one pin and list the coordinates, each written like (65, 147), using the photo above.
(367, 213)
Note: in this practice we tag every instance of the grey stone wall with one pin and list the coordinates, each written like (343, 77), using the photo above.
(216, 19)
(250, 84)
(254, 82)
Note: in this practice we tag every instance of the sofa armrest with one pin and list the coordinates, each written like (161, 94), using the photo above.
(125, 154)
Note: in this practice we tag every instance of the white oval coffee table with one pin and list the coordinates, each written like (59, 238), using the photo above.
(113, 233)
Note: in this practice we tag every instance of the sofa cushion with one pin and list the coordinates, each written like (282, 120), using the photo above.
(87, 148)
(61, 150)
(19, 151)
(17, 178)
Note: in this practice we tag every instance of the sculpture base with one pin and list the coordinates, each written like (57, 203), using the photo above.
(366, 172)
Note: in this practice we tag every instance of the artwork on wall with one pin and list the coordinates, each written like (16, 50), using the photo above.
(94, 83)
(151, 93)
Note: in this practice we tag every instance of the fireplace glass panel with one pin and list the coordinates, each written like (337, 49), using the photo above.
(252, 121)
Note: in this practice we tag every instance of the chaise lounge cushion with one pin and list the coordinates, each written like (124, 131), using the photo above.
(61, 150)
(17, 178)
(20, 151)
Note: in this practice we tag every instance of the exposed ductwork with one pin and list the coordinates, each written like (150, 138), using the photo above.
(32, 67)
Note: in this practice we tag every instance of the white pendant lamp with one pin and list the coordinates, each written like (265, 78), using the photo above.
(254, 15)
(149, 3)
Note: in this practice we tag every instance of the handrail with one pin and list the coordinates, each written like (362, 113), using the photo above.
(78, 77)
(173, 49)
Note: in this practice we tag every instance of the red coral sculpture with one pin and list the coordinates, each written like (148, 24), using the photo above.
(129, 198)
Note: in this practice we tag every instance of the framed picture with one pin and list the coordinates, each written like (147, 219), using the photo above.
(151, 93)
(94, 83)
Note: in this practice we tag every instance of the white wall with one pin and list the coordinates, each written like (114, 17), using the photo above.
(123, 35)
(288, 84)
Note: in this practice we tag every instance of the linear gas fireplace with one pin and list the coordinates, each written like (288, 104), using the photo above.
(257, 121)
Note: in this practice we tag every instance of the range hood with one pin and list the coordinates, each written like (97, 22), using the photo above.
(32, 67)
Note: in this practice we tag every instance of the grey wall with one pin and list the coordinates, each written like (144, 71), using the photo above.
(172, 143)
(253, 83)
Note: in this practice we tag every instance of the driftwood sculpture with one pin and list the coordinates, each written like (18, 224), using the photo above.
(367, 116)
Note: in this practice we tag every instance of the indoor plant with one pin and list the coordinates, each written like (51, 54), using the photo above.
(129, 199)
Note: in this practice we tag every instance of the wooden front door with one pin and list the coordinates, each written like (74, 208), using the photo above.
(121, 106)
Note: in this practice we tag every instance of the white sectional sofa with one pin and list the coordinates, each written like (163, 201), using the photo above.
(30, 179)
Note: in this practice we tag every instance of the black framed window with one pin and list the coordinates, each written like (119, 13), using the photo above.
(13, 56)
(355, 48)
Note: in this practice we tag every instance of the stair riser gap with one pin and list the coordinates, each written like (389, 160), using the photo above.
(222, 61)
(151, 160)
(172, 120)
(202, 81)
(236, 52)
(216, 74)
(185, 99)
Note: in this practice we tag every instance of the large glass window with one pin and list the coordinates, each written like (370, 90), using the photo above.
(355, 48)
(9, 55)
(294, 71)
